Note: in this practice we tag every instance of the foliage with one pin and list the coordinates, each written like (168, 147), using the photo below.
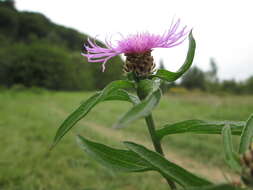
(138, 158)
(249, 85)
(208, 81)
(211, 78)
(32, 24)
(9, 21)
(231, 86)
(194, 78)
(45, 63)
(40, 65)
(36, 52)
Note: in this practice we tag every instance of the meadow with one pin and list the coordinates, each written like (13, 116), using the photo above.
(30, 118)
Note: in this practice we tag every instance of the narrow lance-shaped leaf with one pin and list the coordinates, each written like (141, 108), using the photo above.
(172, 76)
(86, 107)
(246, 136)
(140, 110)
(230, 156)
(167, 168)
(114, 159)
(200, 127)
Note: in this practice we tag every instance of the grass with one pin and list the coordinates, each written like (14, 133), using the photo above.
(29, 120)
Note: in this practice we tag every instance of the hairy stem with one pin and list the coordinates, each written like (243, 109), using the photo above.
(151, 128)
(156, 143)
(142, 93)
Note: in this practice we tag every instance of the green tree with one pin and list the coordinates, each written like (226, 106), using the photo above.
(194, 78)
(232, 86)
(211, 78)
(249, 85)
(41, 65)
(9, 22)
(211, 75)
(7, 3)
(33, 23)
(36, 52)
(113, 72)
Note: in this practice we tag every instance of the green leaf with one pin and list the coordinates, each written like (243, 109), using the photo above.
(246, 136)
(140, 110)
(172, 76)
(147, 87)
(167, 168)
(199, 127)
(230, 156)
(217, 187)
(122, 95)
(115, 85)
(86, 107)
(114, 159)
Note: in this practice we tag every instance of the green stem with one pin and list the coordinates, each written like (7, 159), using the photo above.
(142, 92)
(151, 128)
(156, 143)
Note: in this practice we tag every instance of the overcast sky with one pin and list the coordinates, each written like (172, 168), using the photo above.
(223, 28)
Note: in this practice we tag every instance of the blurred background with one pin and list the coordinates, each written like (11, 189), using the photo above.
(43, 78)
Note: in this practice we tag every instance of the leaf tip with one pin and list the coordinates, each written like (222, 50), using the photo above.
(51, 147)
(128, 144)
(81, 141)
(54, 143)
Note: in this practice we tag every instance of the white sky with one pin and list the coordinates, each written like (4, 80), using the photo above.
(223, 28)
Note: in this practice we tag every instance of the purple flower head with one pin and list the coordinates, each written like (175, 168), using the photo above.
(138, 43)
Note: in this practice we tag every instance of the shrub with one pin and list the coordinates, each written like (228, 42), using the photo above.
(41, 65)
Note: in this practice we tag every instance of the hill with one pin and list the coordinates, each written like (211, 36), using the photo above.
(34, 51)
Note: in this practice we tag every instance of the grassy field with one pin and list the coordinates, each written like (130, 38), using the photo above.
(29, 120)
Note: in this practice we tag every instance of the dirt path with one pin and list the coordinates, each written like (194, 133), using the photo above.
(215, 174)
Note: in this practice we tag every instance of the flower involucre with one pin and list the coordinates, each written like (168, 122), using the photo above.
(135, 47)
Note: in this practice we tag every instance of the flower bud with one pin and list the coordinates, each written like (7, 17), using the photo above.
(142, 64)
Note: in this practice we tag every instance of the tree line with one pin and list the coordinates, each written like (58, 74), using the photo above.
(36, 52)
(208, 81)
